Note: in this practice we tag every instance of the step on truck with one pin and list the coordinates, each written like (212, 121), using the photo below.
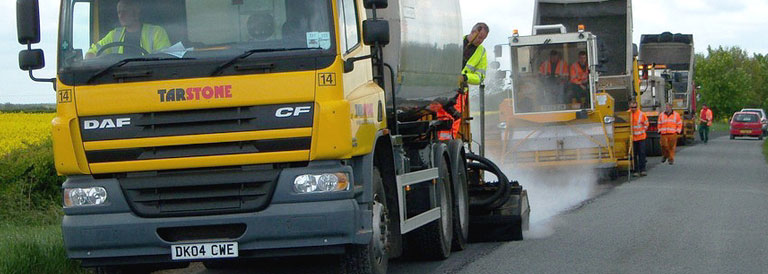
(551, 120)
(672, 57)
(236, 129)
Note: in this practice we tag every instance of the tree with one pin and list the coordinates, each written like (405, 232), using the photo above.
(728, 77)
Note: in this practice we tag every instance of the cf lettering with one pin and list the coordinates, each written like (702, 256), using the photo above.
(290, 111)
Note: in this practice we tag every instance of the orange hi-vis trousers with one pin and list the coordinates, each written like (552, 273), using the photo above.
(668, 145)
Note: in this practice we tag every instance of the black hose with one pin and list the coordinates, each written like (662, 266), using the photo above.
(501, 195)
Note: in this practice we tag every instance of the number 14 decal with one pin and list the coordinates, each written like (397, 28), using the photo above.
(327, 79)
(64, 96)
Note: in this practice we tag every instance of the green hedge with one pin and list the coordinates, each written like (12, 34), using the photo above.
(30, 189)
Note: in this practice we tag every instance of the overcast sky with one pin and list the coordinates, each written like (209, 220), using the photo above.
(712, 22)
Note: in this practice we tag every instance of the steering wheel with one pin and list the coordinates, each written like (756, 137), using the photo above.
(121, 44)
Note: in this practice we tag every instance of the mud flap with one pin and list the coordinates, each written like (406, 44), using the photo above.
(504, 224)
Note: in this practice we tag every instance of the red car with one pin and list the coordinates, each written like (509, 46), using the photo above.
(746, 124)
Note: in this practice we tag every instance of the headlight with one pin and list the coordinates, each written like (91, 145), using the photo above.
(328, 182)
(608, 119)
(90, 196)
(503, 125)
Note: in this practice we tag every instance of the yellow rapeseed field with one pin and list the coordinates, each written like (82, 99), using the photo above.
(18, 130)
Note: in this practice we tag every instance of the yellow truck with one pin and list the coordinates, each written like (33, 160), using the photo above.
(548, 119)
(221, 130)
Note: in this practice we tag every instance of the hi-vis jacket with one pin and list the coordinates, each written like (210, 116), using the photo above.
(639, 125)
(561, 69)
(153, 38)
(476, 67)
(706, 116)
(578, 74)
(670, 124)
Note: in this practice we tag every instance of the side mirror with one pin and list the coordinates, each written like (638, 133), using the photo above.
(635, 51)
(376, 31)
(497, 51)
(378, 4)
(31, 59)
(28, 21)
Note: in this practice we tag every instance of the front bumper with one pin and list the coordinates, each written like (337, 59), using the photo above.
(292, 224)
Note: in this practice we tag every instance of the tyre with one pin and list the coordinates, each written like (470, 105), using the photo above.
(433, 241)
(373, 257)
(653, 147)
(460, 201)
(760, 137)
(732, 137)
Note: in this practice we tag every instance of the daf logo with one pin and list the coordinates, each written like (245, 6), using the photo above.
(291, 111)
(106, 123)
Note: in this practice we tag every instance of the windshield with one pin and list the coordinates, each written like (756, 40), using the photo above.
(96, 34)
(550, 78)
(746, 118)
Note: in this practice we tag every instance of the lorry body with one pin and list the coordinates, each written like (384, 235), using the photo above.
(653, 94)
(672, 56)
(276, 138)
(594, 132)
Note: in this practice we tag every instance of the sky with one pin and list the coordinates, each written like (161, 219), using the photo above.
(712, 22)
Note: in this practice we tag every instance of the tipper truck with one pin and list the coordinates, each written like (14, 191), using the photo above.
(552, 120)
(671, 57)
(237, 129)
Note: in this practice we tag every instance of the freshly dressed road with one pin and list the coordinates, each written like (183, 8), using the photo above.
(708, 213)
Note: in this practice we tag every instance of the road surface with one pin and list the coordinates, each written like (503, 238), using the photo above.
(708, 213)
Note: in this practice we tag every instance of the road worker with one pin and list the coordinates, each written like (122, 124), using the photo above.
(705, 121)
(639, 126)
(555, 73)
(580, 79)
(554, 67)
(670, 125)
(475, 64)
(132, 37)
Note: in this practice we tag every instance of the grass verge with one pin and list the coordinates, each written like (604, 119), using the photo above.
(765, 149)
(34, 249)
(30, 215)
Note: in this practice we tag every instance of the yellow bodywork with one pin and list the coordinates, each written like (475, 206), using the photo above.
(340, 129)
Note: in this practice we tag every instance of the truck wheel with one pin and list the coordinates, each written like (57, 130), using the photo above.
(373, 257)
(433, 241)
(460, 198)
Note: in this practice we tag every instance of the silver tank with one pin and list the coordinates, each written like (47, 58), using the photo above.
(425, 49)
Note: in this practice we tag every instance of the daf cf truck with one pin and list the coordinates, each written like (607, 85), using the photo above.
(233, 129)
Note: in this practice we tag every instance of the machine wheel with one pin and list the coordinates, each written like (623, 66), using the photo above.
(653, 147)
(760, 138)
(732, 137)
(682, 141)
(460, 200)
(433, 241)
(373, 257)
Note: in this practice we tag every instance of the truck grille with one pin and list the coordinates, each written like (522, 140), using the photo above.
(190, 122)
(200, 192)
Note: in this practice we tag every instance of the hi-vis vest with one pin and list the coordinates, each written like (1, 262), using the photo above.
(561, 69)
(578, 75)
(476, 67)
(669, 124)
(706, 115)
(153, 38)
(639, 125)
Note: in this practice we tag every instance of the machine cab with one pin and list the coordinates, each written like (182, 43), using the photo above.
(553, 72)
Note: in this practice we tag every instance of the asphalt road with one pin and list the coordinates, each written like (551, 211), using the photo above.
(708, 213)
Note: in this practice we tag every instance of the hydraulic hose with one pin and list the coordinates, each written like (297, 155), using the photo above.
(501, 195)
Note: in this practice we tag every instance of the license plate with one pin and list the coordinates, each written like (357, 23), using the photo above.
(746, 131)
(204, 251)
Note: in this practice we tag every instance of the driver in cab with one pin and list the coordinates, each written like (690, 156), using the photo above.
(132, 37)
